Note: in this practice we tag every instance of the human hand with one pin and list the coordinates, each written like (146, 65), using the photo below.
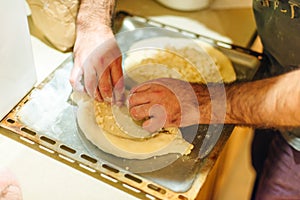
(9, 185)
(97, 60)
(164, 102)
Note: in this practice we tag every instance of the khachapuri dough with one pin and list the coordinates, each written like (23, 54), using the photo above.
(186, 59)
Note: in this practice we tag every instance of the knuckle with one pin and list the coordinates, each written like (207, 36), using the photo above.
(134, 113)
(132, 100)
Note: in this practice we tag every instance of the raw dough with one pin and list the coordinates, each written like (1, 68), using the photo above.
(190, 60)
(167, 57)
(113, 141)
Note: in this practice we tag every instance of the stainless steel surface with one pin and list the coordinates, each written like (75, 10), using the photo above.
(181, 178)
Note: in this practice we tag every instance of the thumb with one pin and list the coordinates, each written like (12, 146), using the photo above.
(76, 77)
(157, 120)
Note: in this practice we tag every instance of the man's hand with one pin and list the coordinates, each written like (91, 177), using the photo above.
(164, 102)
(272, 102)
(97, 59)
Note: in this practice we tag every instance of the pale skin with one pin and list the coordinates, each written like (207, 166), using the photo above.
(272, 102)
(97, 58)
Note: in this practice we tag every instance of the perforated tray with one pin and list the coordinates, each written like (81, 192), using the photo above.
(180, 180)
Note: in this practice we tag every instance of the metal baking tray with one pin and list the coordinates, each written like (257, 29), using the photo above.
(145, 179)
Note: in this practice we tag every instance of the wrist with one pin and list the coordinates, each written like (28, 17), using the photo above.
(213, 103)
(232, 106)
(96, 13)
(82, 27)
(204, 103)
(243, 103)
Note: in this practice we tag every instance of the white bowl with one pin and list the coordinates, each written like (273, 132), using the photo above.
(185, 5)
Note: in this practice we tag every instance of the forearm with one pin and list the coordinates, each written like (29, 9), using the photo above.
(94, 13)
(98, 68)
(272, 102)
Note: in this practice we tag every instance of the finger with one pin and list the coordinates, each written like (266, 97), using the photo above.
(140, 112)
(90, 81)
(97, 95)
(153, 84)
(137, 99)
(158, 118)
(119, 93)
(117, 81)
(140, 88)
(151, 125)
(116, 71)
(75, 78)
(105, 86)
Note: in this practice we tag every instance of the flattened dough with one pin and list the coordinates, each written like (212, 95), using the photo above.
(187, 59)
(110, 142)
(166, 57)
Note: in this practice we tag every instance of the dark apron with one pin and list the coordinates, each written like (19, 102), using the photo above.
(278, 25)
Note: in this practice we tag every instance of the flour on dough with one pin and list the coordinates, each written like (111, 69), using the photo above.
(186, 59)
(171, 57)
(112, 140)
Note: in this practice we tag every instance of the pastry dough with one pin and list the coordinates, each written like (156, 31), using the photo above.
(113, 141)
(167, 57)
(190, 60)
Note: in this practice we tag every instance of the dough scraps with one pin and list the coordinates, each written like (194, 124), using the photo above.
(108, 137)
(171, 57)
(186, 59)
